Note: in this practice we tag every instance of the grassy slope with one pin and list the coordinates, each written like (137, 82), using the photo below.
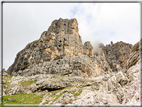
(23, 99)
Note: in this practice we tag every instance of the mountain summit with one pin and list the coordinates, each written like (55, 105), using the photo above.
(58, 51)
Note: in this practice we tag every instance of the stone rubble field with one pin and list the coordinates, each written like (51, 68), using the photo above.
(110, 89)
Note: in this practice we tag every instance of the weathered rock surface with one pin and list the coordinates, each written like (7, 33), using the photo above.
(65, 99)
(135, 54)
(116, 55)
(72, 66)
(132, 93)
(101, 66)
(88, 49)
(118, 89)
(44, 82)
(65, 26)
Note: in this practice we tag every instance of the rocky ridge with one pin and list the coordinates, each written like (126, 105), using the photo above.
(61, 45)
(63, 70)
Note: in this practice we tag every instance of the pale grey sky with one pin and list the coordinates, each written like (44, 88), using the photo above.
(24, 23)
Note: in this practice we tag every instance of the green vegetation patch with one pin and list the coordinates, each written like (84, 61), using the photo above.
(57, 97)
(76, 93)
(127, 76)
(8, 76)
(27, 82)
(23, 99)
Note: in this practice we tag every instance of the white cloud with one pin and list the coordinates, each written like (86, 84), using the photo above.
(110, 22)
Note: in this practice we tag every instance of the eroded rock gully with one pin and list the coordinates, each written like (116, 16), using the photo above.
(68, 72)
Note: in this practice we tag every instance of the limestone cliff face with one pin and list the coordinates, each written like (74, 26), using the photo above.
(58, 51)
(135, 54)
(116, 55)
(100, 61)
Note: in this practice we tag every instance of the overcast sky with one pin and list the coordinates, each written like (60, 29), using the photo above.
(106, 22)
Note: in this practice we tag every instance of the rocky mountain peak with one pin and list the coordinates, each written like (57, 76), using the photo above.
(58, 51)
(64, 26)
